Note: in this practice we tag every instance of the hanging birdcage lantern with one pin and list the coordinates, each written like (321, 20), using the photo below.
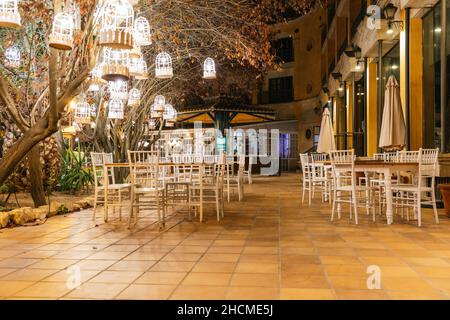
(209, 69)
(96, 81)
(159, 103)
(155, 114)
(12, 57)
(138, 68)
(116, 26)
(152, 124)
(82, 112)
(142, 32)
(62, 32)
(169, 113)
(118, 89)
(164, 69)
(115, 65)
(9, 14)
(134, 97)
(115, 109)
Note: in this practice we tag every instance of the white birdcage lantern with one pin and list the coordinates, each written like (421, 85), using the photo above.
(9, 14)
(118, 89)
(96, 81)
(142, 32)
(82, 112)
(12, 57)
(159, 103)
(209, 69)
(134, 97)
(115, 109)
(163, 64)
(155, 114)
(170, 116)
(138, 68)
(152, 124)
(115, 65)
(116, 27)
(62, 32)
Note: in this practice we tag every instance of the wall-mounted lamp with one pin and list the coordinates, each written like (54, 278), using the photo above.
(353, 52)
(389, 13)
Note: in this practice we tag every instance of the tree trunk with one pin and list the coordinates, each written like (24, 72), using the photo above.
(20, 149)
(35, 171)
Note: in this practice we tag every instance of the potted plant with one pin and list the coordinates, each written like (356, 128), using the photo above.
(445, 191)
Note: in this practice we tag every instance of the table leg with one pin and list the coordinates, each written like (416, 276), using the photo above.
(389, 202)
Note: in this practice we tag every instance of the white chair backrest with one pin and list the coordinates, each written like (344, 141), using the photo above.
(428, 162)
(98, 160)
(319, 157)
(342, 157)
(408, 156)
(343, 162)
(143, 156)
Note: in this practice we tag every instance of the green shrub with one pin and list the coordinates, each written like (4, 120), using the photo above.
(76, 174)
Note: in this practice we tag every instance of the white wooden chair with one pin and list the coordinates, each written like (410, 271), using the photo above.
(320, 178)
(306, 169)
(148, 187)
(248, 172)
(115, 191)
(207, 187)
(346, 189)
(417, 193)
(234, 181)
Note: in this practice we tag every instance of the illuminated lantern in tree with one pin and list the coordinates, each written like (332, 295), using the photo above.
(96, 81)
(62, 32)
(152, 124)
(209, 69)
(82, 113)
(118, 89)
(12, 57)
(115, 65)
(142, 32)
(164, 68)
(159, 103)
(116, 26)
(170, 115)
(9, 14)
(115, 109)
(155, 114)
(134, 97)
(138, 68)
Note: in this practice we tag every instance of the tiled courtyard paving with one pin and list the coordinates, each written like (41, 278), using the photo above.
(269, 246)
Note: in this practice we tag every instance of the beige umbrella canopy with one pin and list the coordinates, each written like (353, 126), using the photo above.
(393, 128)
(326, 138)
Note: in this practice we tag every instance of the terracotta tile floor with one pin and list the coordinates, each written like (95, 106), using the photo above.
(269, 246)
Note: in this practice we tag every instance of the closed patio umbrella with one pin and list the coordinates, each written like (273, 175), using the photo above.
(326, 138)
(393, 127)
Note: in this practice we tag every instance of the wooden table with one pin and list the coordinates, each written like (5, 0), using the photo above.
(387, 169)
